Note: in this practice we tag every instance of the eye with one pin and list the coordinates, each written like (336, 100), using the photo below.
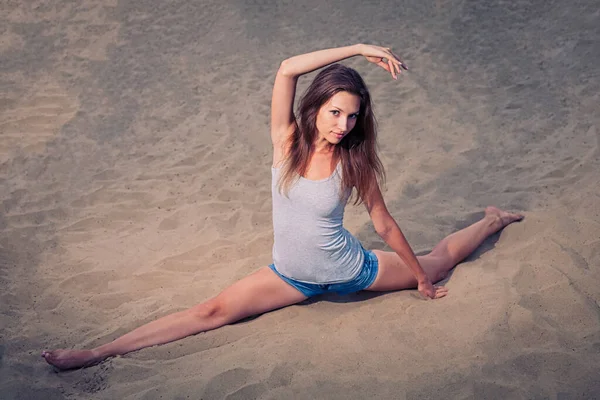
(335, 112)
(354, 116)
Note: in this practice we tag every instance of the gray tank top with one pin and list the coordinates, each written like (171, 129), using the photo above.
(311, 244)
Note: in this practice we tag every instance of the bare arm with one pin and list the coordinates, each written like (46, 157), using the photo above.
(390, 232)
(284, 90)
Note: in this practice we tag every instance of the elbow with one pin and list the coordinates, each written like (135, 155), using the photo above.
(384, 231)
(384, 224)
(285, 69)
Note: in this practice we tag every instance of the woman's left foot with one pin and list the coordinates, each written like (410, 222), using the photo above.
(501, 218)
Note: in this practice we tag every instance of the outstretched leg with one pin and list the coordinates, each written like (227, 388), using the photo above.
(395, 275)
(257, 293)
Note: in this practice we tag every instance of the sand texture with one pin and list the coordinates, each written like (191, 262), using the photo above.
(135, 181)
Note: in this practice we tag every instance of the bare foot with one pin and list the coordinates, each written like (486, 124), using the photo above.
(69, 359)
(501, 218)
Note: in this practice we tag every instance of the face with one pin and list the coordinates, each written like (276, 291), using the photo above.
(337, 117)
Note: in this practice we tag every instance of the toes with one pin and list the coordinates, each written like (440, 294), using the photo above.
(48, 356)
(510, 218)
(516, 217)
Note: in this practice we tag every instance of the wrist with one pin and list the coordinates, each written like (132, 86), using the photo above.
(359, 48)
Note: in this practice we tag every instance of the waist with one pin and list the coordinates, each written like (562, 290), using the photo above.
(324, 258)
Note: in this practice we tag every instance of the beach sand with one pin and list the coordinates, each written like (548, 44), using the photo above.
(135, 181)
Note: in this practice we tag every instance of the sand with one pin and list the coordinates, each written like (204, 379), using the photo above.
(134, 176)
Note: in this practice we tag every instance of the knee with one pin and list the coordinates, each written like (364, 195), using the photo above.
(211, 309)
(437, 266)
(440, 251)
(444, 258)
(439, 276)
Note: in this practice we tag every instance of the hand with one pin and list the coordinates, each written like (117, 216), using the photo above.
(384, 57)
(429, 291)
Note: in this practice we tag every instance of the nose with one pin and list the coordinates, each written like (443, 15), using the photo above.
(343, 124)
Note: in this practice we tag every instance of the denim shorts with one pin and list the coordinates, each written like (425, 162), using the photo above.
(363, 280)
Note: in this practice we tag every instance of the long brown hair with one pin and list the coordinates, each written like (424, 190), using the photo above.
(357, 151)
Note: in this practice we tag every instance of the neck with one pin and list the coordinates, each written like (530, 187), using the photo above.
(322, 146)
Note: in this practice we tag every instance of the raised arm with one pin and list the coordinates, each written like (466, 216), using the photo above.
(284, 90)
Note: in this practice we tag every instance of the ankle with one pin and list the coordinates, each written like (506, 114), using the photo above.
(101, 353)
(494, 223)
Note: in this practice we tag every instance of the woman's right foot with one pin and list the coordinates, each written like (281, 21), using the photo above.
(69, 359)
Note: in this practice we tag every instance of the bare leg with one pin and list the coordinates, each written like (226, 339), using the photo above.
(258, 293)
(395, 275)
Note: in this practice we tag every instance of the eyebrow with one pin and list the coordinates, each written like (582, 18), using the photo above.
(343, 110)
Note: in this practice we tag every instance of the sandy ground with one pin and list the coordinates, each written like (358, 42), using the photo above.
(134, 181)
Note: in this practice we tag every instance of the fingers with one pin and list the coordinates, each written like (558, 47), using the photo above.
(394, 64)
(386, 59)
(437, 292)
(400, 63)
(398, 70)
(440, 291)
(384, 65)
(391, 68)
(396, 61)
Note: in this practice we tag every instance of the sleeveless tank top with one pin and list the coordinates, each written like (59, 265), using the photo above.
(310, 242)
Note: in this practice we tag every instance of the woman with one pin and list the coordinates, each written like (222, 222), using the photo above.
(317, 160)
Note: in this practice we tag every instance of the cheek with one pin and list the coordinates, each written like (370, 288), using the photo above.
(324, 120)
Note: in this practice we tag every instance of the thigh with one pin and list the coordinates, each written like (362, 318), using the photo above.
(257, 293)
(394, 274)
